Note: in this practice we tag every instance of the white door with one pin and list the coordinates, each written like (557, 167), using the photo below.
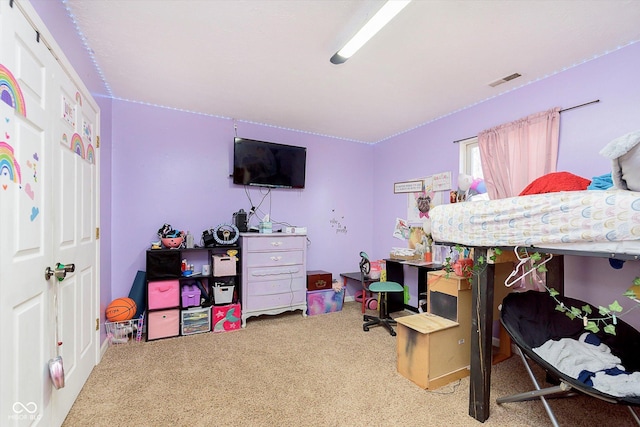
(74, 211)
(48, 204)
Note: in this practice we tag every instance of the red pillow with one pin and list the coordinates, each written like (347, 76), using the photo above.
(556, 181)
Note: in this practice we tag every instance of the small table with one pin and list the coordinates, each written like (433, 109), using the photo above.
(357, 276)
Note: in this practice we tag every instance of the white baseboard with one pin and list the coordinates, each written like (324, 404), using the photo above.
(103, 348)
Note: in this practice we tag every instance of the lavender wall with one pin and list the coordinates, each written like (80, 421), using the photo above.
(583, 132)
(173, 167)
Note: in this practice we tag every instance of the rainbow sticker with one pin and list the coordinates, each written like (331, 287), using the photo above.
(8, 164)
(77, 146)
(10, 92)
(90, 154)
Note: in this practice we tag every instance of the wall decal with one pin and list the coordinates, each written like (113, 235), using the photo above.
(77, 146)
(9, 166)
(34, 213)
(337, 223)
(29, 191)
(90, 154)
(10, 92)
(87, 131)
(68, 112)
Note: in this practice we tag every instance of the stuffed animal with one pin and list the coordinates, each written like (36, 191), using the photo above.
(624, 153)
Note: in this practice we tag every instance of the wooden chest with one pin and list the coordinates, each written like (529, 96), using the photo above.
(318, 280)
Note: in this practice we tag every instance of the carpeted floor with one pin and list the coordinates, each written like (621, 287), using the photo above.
(287, 370)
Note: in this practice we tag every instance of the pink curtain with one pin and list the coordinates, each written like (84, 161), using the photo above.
(514, 154)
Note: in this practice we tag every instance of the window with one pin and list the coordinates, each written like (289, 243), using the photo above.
(470, 158)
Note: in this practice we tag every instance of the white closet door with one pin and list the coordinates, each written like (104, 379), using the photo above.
(48, 214)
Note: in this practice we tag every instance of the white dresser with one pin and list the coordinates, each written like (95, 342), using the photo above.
(273, 274)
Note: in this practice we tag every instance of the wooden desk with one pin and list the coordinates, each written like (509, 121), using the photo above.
(357, 276)
(395, 273)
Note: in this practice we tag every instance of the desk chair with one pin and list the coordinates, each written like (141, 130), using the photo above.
(382, 289)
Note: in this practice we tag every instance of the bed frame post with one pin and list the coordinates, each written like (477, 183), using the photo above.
(555, 273)
(481, 336)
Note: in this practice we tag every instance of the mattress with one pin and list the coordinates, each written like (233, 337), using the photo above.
(590, 220)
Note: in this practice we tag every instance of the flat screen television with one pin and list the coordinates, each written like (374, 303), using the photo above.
(268, 164)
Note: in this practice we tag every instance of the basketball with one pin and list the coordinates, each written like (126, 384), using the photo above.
(120, 309)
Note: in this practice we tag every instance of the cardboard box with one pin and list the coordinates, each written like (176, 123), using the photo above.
(318, 280)
(226, 318)
(432, 351)
(324, 301)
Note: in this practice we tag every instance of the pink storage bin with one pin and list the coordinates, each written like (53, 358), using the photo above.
(163, 294)
(163, 324)
(226, 318)
(224, 265)
(190, 296)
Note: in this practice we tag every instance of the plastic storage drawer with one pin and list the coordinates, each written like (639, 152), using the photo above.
(163, 294)
(196, 320)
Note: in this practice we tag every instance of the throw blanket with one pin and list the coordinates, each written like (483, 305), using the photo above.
(591, 362)
(554, 182)
(602, 182)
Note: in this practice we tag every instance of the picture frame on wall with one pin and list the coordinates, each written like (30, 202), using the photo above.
(408, 186)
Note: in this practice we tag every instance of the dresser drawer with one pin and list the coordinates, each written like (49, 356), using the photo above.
(275, 243)
(284, 273)
(163, 294)
(262, 302)
(163, 324)
(273, 259)
(275, 287)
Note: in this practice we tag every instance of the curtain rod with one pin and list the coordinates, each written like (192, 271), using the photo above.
(561, 111)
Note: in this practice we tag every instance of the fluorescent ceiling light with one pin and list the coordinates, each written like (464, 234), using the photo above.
(390, 9)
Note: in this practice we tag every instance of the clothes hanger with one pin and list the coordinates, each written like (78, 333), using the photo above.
(510, 280)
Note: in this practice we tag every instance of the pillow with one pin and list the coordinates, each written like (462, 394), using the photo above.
(624, 153)
(554, 182)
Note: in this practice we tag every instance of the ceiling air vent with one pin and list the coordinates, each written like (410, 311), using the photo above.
(505, 79)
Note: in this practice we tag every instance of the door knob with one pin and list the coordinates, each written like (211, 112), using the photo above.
(60, 271)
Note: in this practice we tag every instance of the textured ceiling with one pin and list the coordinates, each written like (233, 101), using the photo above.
(267, 61)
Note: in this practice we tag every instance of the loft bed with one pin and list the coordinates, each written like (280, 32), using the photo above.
(590, 223)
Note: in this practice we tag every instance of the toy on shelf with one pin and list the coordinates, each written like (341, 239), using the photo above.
(171, 238)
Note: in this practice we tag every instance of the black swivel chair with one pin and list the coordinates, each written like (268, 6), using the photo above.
(382, 289)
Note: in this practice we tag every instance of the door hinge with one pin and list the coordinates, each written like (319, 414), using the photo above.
(98, 141)
(97, 323)
(97, 233)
